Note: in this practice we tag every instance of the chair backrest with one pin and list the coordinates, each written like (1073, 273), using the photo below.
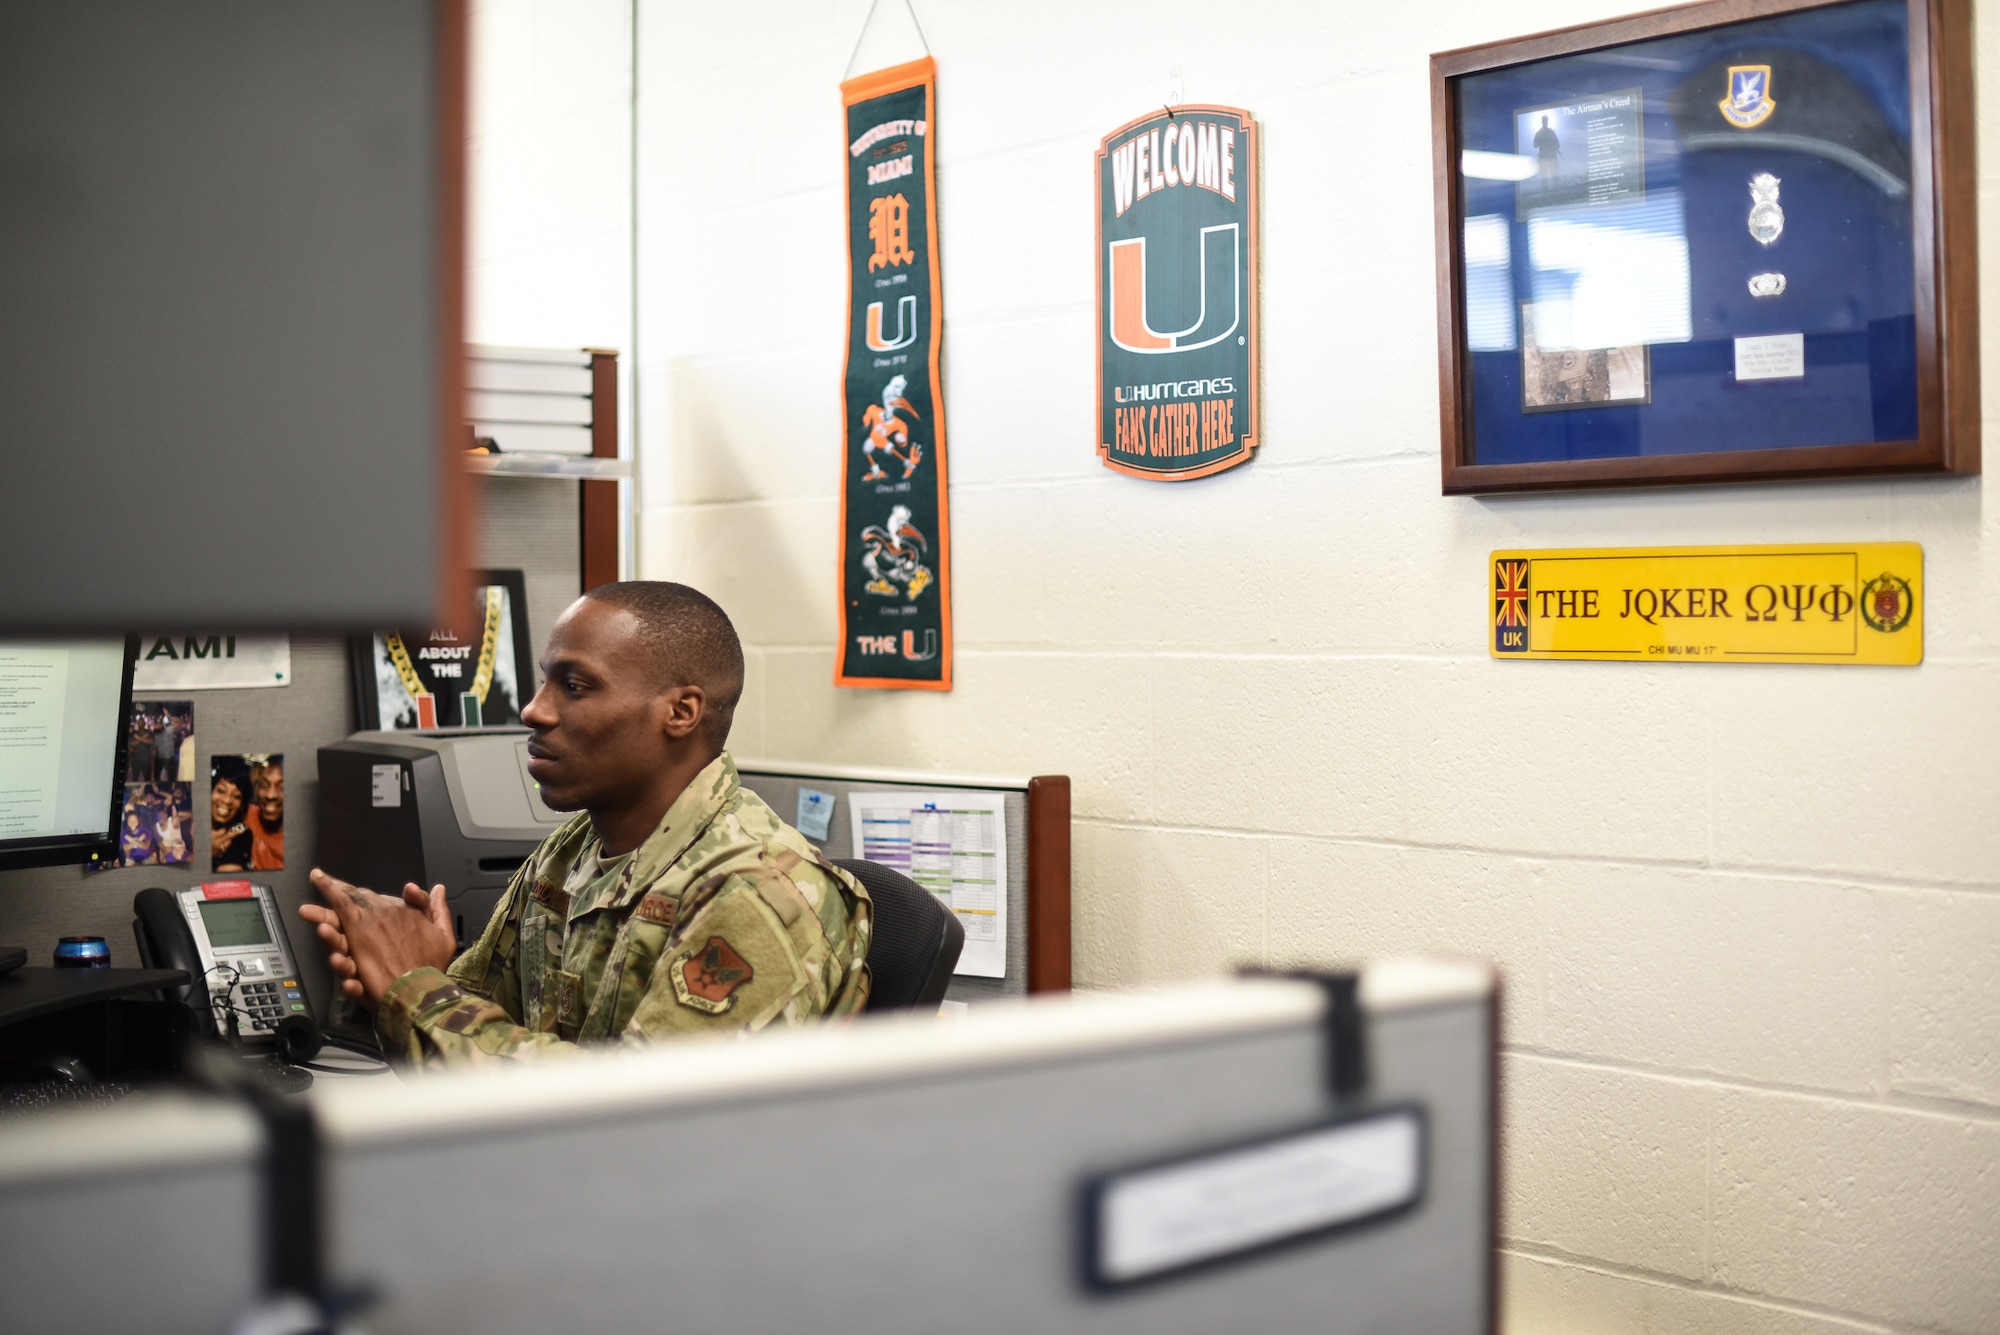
(915, 943)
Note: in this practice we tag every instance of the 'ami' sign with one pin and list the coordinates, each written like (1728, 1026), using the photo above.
(1177, 293)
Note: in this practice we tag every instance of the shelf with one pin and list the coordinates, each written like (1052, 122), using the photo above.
(548, 465)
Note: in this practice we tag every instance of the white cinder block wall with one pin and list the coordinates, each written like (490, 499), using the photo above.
(1750, 917)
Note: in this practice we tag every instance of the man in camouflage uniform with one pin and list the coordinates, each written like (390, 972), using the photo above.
(675, 902)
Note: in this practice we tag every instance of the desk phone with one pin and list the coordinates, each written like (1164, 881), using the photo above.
(235, 925)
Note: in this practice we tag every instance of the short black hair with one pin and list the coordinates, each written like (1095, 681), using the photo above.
(691, 642)
(233, 768)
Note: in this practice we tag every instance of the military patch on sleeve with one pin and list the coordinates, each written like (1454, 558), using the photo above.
(707, 980)
(458, 1020)
(439, 995)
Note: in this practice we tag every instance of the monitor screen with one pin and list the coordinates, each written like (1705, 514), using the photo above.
(62, 748)
(234, 922)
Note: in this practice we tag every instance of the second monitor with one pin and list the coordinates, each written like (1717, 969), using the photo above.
(63, 705)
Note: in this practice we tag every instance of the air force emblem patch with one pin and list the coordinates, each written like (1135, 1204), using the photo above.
(707, 980)
(1749, 102)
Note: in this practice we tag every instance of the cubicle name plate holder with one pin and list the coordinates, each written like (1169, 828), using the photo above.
(1859, 604)
(1365, 1163)
(1234, 1202)
(895, 520)
(1177, 390)
(1728, 242)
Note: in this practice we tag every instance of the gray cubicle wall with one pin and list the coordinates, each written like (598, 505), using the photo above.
(778, 783)
(898, 1174)
(142, 1217)
(531, 525)
(40, 905)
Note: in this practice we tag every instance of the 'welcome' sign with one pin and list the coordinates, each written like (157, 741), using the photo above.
(1177, 293)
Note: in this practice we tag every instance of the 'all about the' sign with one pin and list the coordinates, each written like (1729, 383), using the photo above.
(1177, 293)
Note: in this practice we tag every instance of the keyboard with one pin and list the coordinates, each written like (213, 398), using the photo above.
(32, 1096)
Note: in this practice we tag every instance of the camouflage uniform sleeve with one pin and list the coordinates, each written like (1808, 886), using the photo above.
(472, 1011)
(430, 1020)
(766, 944)
(770, 946)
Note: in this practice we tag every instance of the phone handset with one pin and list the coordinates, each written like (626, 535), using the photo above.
(166, 943)
(230, 937)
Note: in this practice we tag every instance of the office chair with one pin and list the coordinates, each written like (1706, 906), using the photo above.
(915, 943)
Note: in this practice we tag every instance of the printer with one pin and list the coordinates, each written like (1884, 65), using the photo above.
(450, 806)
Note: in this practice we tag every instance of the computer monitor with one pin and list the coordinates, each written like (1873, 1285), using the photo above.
(63, 705)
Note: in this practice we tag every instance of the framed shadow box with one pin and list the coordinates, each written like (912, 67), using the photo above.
(1732, 241)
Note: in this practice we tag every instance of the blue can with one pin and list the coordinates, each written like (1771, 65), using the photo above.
(83, 952)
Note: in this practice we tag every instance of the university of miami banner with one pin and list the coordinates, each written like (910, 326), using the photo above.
(1177, 293)
(895, 541)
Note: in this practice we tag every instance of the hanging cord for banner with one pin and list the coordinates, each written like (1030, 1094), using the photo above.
(855, 54)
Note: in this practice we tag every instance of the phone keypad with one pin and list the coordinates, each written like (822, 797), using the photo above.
(267, 1003)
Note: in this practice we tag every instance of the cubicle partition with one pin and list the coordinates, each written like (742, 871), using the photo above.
(234, 298)
(1249, 1155)
(1037, 855)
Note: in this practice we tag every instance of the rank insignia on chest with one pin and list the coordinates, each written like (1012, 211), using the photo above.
(707, 980)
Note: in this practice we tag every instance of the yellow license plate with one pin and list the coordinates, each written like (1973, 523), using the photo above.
(1803, 603)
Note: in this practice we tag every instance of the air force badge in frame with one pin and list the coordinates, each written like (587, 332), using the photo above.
(1749, 102)
(1177, 393)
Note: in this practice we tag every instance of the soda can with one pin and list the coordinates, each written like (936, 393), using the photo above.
(83, 952)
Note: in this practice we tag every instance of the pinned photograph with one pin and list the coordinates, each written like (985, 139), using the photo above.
(156, 827)
(1569, 377)
(228, 814)
(436, 679)
(159, 742)
(246, 812)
